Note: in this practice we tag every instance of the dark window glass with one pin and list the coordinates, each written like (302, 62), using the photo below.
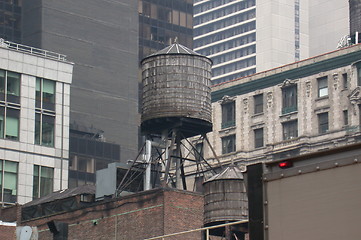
(290, 130)
(323, 122)
(43, 180)
(322, 87)
(289, 99)
(345, 117)
(8, 181)
(258, 103)
(198, 152)
(116, 152)
(228, 114)
(358, 66)
(258, 138)
(44, 129)
(345, 81)
(107, 150)
(99, 149)
(229, 144)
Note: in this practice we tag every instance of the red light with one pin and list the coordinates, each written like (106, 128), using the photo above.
(286, 164)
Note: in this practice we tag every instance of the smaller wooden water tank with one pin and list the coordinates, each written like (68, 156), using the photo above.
(225, 197)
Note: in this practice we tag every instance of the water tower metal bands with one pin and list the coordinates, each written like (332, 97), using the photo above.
(176, 92)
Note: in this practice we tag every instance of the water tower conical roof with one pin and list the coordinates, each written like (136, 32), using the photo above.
(175, 49)
(231, 172)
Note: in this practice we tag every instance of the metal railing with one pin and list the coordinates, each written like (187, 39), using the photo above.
(32, 50)
(206, 229)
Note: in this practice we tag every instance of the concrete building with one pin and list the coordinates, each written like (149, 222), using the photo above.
(163, 22)
(34, 122)
(101, 38)
(245, 37)
(294, 109)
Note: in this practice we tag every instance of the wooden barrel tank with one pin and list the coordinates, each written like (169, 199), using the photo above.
(225, 197)
(176, 91)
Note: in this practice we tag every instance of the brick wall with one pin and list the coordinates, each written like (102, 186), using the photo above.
(7, 232)
(10, 214)
(142, 215)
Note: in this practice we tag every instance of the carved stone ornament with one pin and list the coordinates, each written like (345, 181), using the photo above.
(269, 99)
(335, 80)
(226, 99)
(288, 82)
(245, 104)
(355, 98)
(308, 88)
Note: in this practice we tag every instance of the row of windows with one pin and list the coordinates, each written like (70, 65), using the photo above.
(10, 108)
(226, 34)
(234, 76)
(289, 131)
(234, 55)
(223, 12)
(289, 96)
(234, 66)
(208, 5)
(182, 18)
(229, 44)
(43, 180)
(225, 22)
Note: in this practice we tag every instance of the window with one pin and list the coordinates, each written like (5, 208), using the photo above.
(289, 99)
(345, 81)
(198, 152)
(323, 122)
(290, 130)
(258, 103)
(8, 181)
(258, 138)
(322, 87)
(9, 123)
(45, 94)
(9, 104)
(9, 86)
(358, 66)
(43, 181)
(44, 129)
(44, 112)
(229, 144)
(345, 117)
(228, 114)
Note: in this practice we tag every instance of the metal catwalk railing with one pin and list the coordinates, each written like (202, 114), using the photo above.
(206, 229)
(32, 50)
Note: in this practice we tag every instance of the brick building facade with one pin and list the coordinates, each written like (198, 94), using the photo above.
(138, 216)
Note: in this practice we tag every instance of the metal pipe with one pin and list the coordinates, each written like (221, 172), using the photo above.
(148, 151)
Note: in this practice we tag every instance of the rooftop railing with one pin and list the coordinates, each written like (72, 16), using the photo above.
(32, 50)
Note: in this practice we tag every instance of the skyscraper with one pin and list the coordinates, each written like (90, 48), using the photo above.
(101, 38)
(247, 36)
(163, 22)
(10, 20)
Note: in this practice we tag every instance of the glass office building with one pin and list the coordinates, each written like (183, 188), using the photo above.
(225, 31)
(10, 20)
(162, 22)
(243, 37)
